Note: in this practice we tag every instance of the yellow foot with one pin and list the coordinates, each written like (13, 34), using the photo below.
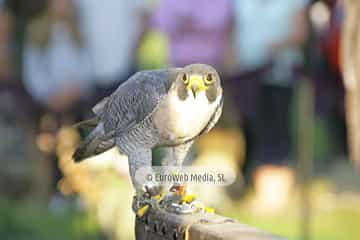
(141, 211)
(188, 198)
(159, 197)
(209, 210)
(181, 192)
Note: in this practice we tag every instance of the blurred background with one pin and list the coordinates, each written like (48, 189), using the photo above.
(283, 128)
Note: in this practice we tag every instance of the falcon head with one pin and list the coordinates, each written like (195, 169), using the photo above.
(194, 79)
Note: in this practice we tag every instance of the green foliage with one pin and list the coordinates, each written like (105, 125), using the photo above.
(18, 222)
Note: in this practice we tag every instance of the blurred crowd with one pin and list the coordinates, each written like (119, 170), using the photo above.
(59, 57)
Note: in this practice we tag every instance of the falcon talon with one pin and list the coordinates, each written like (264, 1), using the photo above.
(142, 204)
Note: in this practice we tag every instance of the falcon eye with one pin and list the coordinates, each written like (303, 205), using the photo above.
(209, 78)
(185, 78)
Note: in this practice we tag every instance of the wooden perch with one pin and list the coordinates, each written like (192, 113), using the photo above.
(161, 225)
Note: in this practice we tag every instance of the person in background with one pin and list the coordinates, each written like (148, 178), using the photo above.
(56, 67)
(112, 34)
(268, 38)
(23, 167)
(56, 74)
(198, 31)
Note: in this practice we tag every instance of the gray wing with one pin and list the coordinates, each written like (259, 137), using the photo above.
(136, 99)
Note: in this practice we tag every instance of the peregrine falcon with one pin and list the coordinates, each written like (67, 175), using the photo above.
(159, 108)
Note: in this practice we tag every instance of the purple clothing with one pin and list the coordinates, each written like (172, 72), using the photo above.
(196, 29)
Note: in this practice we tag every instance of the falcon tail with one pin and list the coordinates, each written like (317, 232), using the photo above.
(94, 144)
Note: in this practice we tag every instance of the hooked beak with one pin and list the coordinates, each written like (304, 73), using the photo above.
(194, 89)
(196, 84)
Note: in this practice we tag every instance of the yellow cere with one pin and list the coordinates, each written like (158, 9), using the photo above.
(198, 81)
